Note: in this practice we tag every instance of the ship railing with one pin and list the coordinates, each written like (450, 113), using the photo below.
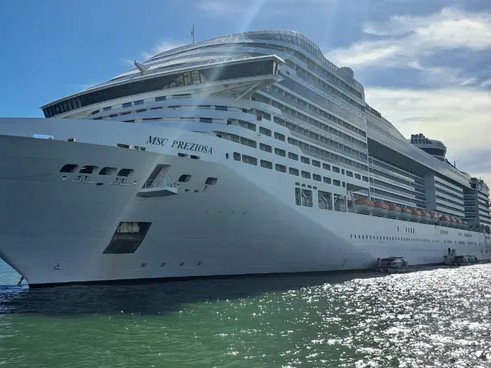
(160, 183)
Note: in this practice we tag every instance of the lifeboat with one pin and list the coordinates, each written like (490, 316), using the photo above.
(380, 209)
(394, 211)
(427, 218)
(435, 217)
(445, 220)
(415, 215)
(363, 205)
(454, 221)
(406, 213)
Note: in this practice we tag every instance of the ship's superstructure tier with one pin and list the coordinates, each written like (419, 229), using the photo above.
(290, 110)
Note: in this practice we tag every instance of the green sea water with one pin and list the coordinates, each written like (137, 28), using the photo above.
(432, 318)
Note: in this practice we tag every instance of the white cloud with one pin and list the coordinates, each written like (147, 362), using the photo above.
(163, 46)
(460, 117)
(404, 40)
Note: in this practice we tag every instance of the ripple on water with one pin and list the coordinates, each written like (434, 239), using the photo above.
(433, 318)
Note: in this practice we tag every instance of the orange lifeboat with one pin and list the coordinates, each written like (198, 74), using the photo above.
(417, 215)
(364, 205)
(406, 213)
(445, 220)
(380, 209)
(427, 217)
(394, 210)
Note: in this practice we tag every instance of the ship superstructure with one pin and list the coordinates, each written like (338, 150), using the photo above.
(249, 153)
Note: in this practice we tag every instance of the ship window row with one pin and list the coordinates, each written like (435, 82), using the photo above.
(312, 78)
(326, 155)
(91, 169)
(314, 67)
(449, 199)
(447, 189)
(291, 170)
(394, 238)
(282, 95)
(395, 188)
(394, 180)
(393, 169)
(320, 139)
(212, 73)
(325, 200)
(447, 184)
(293, 156)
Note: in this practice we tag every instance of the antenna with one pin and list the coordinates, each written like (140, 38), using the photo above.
(192, 34)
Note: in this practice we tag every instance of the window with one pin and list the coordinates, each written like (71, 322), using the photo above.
(206, 120)
(107, 171)
(326, 166)
(336, 182)
(343, 184)
(305, 160)
(298, 196)
(280, 168)
(280, 152)
(87, 169)
(316, 177)
(279, 136)
(211, 181)
(248, 142)
(293, 171)
(357, 176)
(127, 104)
(342, 171)
(106, 108)
(139, 102)
(316, 163)
(249, 160)
(184, 178)
(365, 178)
(266, 164)
(326, 180)
(265, 131)
(160, 98)
(336, 169)
(265, 147)
(125, 172)
(236, 156)
(325, 200)
(305, 174)
(339, 202)
(221, 108)
(68, 168)
(306, 198)
(293, 156)
(349, 173)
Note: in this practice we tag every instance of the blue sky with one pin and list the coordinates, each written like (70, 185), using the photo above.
(425, 64)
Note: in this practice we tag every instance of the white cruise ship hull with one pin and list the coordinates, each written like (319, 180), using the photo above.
(55, 228)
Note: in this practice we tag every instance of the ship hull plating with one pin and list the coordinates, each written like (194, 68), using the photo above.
(55, 227)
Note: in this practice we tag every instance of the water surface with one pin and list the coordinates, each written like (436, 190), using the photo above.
(432, 318)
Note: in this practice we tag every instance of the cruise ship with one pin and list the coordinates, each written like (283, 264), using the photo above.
(244, 154)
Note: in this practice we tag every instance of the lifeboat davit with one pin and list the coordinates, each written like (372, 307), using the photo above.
(363, 205)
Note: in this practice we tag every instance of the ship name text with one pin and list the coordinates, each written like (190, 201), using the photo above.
(178, 144)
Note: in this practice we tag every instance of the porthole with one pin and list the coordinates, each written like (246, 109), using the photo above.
(227, 156)
(211, 181)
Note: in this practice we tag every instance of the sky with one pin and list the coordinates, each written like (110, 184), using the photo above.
(425, 64)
